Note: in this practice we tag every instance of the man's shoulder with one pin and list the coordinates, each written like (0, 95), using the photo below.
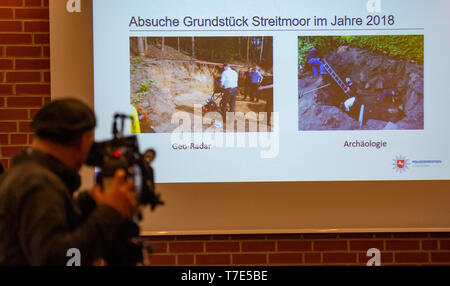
(29, 180)
(29, 175)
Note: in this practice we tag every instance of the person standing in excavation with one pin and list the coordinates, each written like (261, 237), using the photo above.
(229, 81)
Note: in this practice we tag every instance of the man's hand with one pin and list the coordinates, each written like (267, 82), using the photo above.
(120, 195)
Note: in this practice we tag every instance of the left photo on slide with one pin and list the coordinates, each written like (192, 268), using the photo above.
(202, 84)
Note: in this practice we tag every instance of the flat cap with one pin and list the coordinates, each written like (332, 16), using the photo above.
(63, 119)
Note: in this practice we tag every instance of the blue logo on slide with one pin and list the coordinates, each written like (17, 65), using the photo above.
(401, 164)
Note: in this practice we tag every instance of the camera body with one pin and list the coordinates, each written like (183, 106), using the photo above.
(123, 153)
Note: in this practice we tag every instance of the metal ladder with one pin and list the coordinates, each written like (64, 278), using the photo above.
(336, 77)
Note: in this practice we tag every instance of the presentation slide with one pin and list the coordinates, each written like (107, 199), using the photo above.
(278, 91)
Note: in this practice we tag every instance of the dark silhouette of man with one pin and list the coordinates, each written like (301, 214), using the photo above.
(40, 220)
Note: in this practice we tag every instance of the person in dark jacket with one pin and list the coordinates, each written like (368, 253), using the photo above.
(248, 83)
(40, 220)
(315, 62)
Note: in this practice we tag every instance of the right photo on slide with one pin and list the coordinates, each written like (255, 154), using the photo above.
(360, 82)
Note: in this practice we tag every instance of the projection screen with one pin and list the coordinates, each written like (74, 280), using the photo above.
(329, 117)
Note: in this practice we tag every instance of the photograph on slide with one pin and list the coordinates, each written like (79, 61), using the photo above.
(361, 82)
(225, 83)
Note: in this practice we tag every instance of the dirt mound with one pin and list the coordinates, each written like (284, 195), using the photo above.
(371, 74)
(175, 85)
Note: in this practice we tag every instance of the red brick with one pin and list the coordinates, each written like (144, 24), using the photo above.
(30, 138)
(37, 27)
(294, 246)
(312, 258)
(356, 235)
(12, 39)
(330, 245)
(24, 127)
(24, 102)
(220, 237)
(13, 77)
(47, 99)
(23, 51)
(386, 257)
(213, 259)
(5, 163)
(9, 152)
(440, 235)
(383, 235)
(47, 77)
(159, 238)
(11, 3)
(339, 258)
(42, 39)
(411, 235)
(6, 64)
(429, 244)
(2, 102)
(8, 126)
(167, 260)
(19, 139)
(320, 236)
(254, 246)
(34, 89)
(31, 13)
(440, 257)
(444, 244)
(46, 51)
(179, 247)
(13, 114)
(4, 139)
(284, 236)
(185, 260)
(366, 244)
(33, 113)
(248, 237)
(222, 246)
(33, 3)
(6, 13)
(411, 257)
(402, 245)
(285, 258)
(193, 237)
(32, 64)
(249, 259)
(6, 89)
(10, 26)
(45, 3)
(159, 247)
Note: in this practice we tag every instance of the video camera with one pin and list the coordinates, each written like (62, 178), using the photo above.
(123, 153)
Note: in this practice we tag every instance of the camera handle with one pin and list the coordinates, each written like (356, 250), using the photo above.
(115, 131)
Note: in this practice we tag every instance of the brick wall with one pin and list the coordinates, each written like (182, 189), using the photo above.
(301, 249)
(25, 87)
(24, 70)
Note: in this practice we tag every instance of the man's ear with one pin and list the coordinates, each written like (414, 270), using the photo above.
(85, 140)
